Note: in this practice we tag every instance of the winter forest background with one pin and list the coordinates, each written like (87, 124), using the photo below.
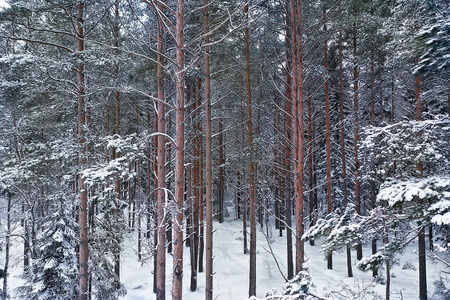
(145, 133)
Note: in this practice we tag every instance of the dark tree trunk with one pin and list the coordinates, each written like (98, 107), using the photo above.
(421, 236)
(83, 214)
(359, 253)
(196, 198)
(287, 151)
(328, 140)
(221, 171)
(209, 173)
(252, 168)
(7, 245)
(342, 136)
(201, 237)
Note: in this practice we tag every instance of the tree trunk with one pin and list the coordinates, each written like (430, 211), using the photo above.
(421, 236)
(196, 199)
(356, 133)
(312, 207)
(299, 143)
(201, 237)
(252, 169)
(161, 174)
(388, 270)
(221, 171)
(328, 139)
(177, 284)
(209, 173)
(287, 152)
(7, 245)
(81, 88)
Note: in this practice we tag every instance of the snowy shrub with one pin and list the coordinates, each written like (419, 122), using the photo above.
(408, 266)
(298, 286)
(442, 292)
(339, 231)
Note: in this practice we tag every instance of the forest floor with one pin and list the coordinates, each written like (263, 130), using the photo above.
(231, 270)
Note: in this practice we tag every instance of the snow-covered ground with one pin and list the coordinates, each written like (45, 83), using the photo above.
(231, 270)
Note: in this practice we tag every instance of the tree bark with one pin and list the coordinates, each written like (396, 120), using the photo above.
(196, 199)
(209, 173)
(252, 169)
(221, 171)
(356, 135)
(421, 235)
(81, 88)
(117, 132)
(161, 174)
(299, 142)
(328, 139)
(7, 245)
(311, 162)
(201, 245)
(287, 153)
(177, 284)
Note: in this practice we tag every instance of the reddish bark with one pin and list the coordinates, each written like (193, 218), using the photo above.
(161, 174)
(177, 283)
(297, 32)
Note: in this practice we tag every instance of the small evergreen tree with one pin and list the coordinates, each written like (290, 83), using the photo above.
(53, 275)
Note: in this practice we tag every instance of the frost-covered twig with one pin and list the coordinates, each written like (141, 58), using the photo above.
(273, 255)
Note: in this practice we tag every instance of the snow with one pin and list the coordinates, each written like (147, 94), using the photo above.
(231, 270)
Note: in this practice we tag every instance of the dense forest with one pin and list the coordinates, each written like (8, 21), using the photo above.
(324, 122)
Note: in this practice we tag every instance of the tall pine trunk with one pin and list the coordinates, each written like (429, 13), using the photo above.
(342, 136)
(209, 173)
(297, 62)
(252, 170)
(160, 274)
(328, 139)
(356, 134)
(83, 213)
(421, 235)
(177, 284)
